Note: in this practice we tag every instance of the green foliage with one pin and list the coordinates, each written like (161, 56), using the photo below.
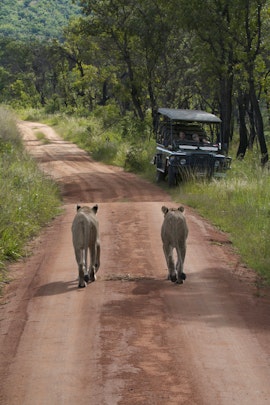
(138, 157)
(28, 199)
(124, 142)
(41, 19)
(239, 205)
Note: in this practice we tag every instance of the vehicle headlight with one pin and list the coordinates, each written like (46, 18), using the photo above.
(183, 162)
(216, 164)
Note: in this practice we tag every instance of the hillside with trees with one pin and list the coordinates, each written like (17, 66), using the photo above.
(139, 55)
(29, 19)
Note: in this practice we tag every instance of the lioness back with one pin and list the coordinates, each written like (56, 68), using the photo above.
(174, 229)
(84, 227)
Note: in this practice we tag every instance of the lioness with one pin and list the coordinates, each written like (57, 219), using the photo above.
(85, 235)
(174, 232)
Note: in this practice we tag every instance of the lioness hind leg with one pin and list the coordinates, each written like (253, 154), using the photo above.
(81, 277)
(168, 253)
(94, 262)
(97, 261)
(180, 265)
(92, 274)
(79, 259)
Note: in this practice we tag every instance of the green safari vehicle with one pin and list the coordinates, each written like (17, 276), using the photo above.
(188, 142)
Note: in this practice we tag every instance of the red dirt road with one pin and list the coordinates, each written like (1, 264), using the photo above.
(132, 337)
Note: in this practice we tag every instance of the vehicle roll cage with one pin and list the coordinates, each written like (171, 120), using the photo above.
(188, 121)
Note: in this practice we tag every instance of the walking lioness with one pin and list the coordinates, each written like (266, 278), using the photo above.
(174, 232)
(85, 235)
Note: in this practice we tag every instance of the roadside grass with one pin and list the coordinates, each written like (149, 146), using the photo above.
(28, 198)
(42, 138)
(123, 142)
(238, 204)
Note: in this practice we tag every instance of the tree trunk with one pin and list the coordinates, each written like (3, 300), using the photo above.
(243, 143)
(152, 103)
(258, 122)
(226, 84)
(134, 90)
(252, 134)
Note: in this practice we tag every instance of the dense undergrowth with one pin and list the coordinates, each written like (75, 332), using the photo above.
(28, 199)
(238, 204)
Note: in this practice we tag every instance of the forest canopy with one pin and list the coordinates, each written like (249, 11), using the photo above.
(138, 55)
(42, 19)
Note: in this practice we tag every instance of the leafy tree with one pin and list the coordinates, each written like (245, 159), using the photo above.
(249, 44)
(32, 20)
(115, 22)
(231, 40)
(142, 50)
(209, 22)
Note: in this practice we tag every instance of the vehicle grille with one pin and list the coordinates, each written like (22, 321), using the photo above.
(201, 161)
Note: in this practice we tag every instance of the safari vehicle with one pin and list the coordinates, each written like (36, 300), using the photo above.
(189, 143)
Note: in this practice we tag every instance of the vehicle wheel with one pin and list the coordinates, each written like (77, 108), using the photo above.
(159, 176)
(171, 177)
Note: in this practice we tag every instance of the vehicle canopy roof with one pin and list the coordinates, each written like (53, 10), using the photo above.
(188, 115)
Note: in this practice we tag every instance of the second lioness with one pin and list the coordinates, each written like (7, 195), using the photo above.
(174, 232)
(85, 236)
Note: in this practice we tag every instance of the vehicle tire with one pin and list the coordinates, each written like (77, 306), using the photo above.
(171, 176)
(159, 176)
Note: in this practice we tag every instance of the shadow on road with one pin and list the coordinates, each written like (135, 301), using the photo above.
(56, 287)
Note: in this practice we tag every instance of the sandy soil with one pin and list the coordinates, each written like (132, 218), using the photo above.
(132, 337)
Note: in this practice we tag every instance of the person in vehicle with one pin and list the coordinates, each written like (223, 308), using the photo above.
(178, 139)
(205, 140)
(181, 136)
(195, 138)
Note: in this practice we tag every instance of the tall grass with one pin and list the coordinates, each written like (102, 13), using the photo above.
(28, 199)
(239, 205)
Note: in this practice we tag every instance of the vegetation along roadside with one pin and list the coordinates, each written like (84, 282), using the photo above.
(28, 199)
(240, 206)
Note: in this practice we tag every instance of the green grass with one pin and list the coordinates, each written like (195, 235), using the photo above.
(42, 138)
(240, 206)
(28, 199)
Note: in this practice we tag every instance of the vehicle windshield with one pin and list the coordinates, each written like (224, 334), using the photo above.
(179, 133)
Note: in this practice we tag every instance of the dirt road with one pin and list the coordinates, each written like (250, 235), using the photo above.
(132, 337)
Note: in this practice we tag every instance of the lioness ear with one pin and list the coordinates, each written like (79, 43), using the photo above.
(164, 210)
(181, 208)
(78, 207)
(95, 208)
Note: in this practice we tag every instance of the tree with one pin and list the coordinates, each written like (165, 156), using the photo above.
(250, 44)
(229, 47)
(213, 47)
(113, 21)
